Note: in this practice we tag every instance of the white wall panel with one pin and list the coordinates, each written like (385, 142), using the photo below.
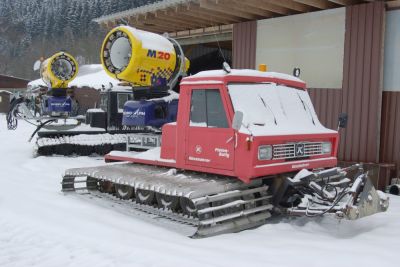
(313, 42)
(391, 71)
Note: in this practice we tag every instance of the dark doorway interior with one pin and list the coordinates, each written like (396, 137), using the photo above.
(208, 56)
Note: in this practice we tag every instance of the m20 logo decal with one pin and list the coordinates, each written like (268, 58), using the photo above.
(158, 54)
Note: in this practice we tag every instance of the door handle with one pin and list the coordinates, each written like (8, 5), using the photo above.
(229, 140)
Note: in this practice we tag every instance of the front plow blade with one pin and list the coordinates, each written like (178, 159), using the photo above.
(368, 202)
(332, 192)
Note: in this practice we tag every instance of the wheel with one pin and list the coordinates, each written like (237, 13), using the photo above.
(124, 191)
(145, 196)
(188, 207)
(106, 187)
(167, 202)
(91, 183)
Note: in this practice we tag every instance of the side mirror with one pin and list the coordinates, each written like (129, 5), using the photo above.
(237, 120)
(296, 72)
(343, 118)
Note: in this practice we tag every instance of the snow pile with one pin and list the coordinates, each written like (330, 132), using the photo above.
(40, 226)
(93, 76)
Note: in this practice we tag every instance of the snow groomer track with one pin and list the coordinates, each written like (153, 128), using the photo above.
(82, 144)
(210, 205)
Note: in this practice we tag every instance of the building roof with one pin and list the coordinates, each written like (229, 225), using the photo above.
(12, 82)
(182, 15)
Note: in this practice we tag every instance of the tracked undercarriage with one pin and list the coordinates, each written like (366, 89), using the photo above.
(209, 204)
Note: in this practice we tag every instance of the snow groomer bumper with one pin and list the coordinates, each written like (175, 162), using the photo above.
(331, 192)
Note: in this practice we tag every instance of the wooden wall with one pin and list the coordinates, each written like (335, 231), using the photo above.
(244, 45)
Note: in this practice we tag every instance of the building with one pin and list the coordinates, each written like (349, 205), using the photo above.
(347, 50)
(8, 86)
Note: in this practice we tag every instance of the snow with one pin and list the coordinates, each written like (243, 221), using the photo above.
(151, 154)
(93, 76)
(270, 109)
(95, 110)
(40, 226)
(244, 72)
(78, 128)
(151, 40)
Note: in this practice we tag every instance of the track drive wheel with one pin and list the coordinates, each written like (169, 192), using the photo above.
(124, 191)
(145, 196)
(188, 207)
(106, 187)
(167, 202)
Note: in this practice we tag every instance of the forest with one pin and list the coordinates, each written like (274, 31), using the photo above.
(31, 29)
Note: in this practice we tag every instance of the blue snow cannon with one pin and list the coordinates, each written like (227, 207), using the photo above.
(57, 105)
(153, 113)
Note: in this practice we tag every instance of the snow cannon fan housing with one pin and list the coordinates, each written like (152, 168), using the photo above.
(139, 57)
(59, 70)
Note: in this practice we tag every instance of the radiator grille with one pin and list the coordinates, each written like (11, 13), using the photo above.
(288, 151)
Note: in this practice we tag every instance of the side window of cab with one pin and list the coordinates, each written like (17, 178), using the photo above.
(207, 109)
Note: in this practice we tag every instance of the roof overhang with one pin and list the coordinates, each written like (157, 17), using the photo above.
(183, 15)
(10, 82)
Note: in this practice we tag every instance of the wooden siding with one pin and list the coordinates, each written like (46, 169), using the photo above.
(362, 82)
(244, 45)
(390, 129)
(327, 104)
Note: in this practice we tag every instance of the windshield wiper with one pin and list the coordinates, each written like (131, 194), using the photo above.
(308, 108)
(268, 107)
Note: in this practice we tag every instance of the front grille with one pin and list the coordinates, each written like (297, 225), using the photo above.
(287, 151)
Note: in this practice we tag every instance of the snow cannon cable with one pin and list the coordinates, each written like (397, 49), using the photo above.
(141, 58)
(59, 70)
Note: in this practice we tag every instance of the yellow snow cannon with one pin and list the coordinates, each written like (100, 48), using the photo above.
(142, 58)
(59, 70)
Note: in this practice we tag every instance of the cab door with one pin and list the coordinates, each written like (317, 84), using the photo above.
(209, 139)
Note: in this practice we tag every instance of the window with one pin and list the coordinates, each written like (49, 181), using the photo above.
(207, 109)
(122, 98)
(104, 101)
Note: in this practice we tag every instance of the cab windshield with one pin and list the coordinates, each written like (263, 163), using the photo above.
(270, 107)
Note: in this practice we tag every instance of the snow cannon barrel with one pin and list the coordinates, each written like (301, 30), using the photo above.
(139, 57)
(59, 70)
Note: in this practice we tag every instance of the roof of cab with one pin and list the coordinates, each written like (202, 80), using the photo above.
(244, 75)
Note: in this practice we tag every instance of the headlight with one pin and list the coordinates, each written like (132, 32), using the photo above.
(326, 147)
(264, 152)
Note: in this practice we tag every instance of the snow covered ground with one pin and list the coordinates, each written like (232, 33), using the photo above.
(40, 226)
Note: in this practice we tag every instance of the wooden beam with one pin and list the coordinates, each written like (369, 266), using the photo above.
(220, 9)
(171, 27)
(393, 4)
(242, 6)
(289, 4)
(345, 2)
(152, 18)
(321, 4)
(139, 23)
(177, 18)
(266, 5)
(220, 18)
